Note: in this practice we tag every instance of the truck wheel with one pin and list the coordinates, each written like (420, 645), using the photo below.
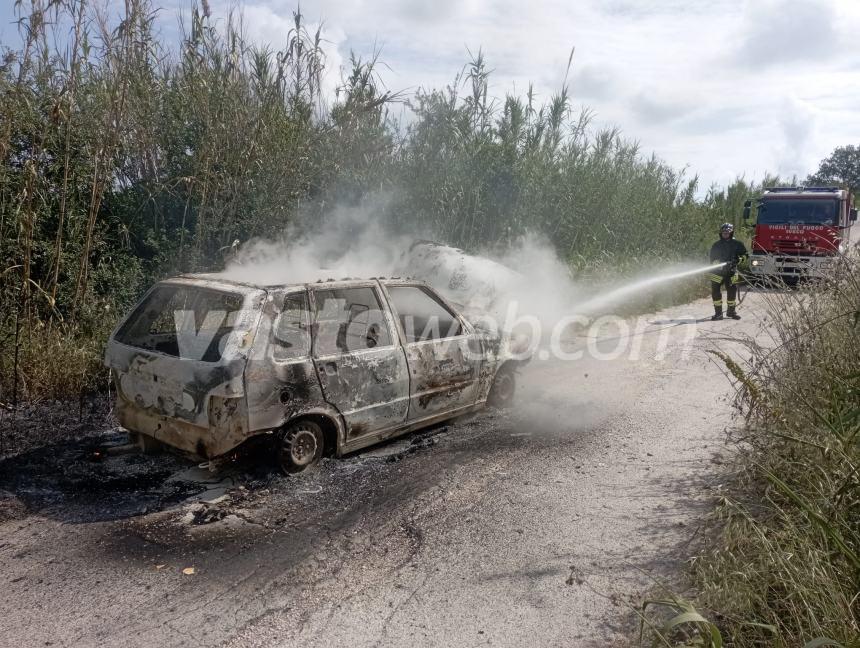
(301, 446)
(503, 389)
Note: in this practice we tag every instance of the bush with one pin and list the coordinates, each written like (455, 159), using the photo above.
(55, 361)
(785, 566)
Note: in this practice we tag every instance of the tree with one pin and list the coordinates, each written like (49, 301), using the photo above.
(842, 167)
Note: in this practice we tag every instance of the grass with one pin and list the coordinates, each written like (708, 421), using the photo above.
(675, 622)
(784, 566)
(54, 362)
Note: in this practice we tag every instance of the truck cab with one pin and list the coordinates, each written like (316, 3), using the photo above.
(800, 232)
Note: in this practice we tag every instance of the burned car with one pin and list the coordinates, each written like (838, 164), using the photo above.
(203, 364)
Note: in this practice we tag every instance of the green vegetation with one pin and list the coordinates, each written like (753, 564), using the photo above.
(841, 168)
(785, 567)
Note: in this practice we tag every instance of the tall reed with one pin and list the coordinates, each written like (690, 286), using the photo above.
(785, 566)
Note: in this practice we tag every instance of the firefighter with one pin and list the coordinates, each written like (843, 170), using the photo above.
(731, 252)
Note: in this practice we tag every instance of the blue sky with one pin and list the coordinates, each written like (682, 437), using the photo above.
(726, 87)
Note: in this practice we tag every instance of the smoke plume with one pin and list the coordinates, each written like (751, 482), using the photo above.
(526, 279)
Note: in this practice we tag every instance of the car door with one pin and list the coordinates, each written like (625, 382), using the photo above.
(360, 363)
(443, 358)
(280, 378)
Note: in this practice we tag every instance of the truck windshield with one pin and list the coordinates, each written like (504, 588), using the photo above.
(798, 212)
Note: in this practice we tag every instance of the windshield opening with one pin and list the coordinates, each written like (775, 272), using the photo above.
(183, 321)
(798, 212)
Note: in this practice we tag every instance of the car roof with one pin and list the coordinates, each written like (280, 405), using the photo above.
(212, 279)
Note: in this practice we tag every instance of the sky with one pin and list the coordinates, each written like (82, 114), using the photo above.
(725, 88)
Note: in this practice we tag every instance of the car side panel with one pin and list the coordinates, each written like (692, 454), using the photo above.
(444, 376)
(369, 387)
(278, 390)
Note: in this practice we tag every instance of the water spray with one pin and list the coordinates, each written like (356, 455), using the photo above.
(602, 301)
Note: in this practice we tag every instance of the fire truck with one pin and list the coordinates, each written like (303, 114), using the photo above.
(801, 232)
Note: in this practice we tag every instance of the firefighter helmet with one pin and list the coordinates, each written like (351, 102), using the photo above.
(727, 227)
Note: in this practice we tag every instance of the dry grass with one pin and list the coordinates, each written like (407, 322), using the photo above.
(56, 362)
(784, 569)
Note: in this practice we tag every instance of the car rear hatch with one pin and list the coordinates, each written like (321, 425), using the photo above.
(179, 359)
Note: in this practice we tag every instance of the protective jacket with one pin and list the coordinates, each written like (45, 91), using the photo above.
(728, 250)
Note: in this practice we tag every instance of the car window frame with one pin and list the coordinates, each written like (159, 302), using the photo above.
(384, 306)
(309, 322)
(247, 297)
(465, 327)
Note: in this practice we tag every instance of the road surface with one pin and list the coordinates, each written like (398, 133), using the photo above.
(540, 526)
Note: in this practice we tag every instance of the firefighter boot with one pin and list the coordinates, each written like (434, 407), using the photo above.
(732, 303)
(717, 296)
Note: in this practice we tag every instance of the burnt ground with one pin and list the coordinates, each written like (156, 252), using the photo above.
(541, 525)
(36, 425)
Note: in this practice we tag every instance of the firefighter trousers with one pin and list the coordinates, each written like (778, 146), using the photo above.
(730, 281)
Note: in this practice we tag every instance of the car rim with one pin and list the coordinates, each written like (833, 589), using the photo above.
(303, 447)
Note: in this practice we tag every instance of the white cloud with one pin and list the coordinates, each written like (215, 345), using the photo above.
(594, 82)
(789, 32)
(652, 108)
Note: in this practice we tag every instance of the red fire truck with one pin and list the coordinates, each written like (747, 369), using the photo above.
(801, 232)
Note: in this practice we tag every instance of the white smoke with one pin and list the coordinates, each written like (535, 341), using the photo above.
(354, 242)
(525, 280)
(348, 242)
(527, 276)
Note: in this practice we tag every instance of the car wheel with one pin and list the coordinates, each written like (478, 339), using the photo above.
(301, 446)
(504, 386)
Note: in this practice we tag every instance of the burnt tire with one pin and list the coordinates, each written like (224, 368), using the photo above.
(301, 447)
(503, 389)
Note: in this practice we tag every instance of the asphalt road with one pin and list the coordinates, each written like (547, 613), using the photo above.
(540, 526)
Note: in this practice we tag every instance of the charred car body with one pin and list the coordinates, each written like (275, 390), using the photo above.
(204, 364)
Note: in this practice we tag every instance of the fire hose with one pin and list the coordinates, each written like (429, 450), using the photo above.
(733, 268)
(742, 294)
(742, 280)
